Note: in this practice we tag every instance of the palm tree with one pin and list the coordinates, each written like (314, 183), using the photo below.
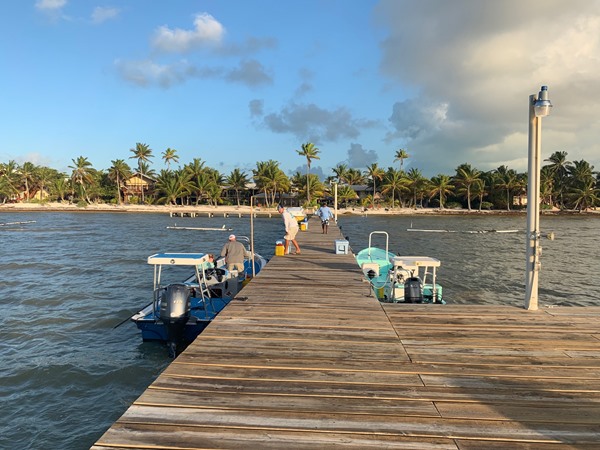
(354, 176)
(214, 194)
(201, 185)
(27, 171)
(215, 190)
(507, 180)
(478, 190)
(143, 153)
(559, 168)
(394, 181)
(581, 172)
(401, 155)
(10, 176)
(441, 186)
(465, 177)
(43, 177)
(169, 155)
(546, 186)
(310, 152)
(119, 172)
(273, 180)
(415, 181)
(340, 172)
(302, 184)
(172, 185)
(61, 187)
(375, 173)
(346, 193)
(269, 177)
(585, 196)
(237, 180)
(81, 175)
(195, 170)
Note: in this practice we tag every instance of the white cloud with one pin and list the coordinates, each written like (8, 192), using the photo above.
(474, 64)
(102, 14)
(50, 5)
(207, 31)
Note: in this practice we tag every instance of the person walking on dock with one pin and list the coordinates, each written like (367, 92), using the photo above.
(234, 253)
(291, 229)
(324, 212)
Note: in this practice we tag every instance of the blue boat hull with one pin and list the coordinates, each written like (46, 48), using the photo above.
(201, 314)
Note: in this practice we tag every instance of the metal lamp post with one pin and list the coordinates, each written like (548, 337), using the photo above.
(538, 107)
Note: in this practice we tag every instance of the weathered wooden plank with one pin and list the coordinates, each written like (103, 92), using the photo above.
(144, 436)
(296, 403)
(397, 425)
(300, 352)
(509, 395)
(567, 413)
(305, 357)
(547, 383)
(322, 375)
(548, 359)
(476, 444)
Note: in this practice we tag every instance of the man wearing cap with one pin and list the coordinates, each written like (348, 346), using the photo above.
(234, 253)
(291, 229)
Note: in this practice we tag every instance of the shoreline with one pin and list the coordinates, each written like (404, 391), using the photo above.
(244, 210)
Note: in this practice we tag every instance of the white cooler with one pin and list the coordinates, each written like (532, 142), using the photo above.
(341, 247)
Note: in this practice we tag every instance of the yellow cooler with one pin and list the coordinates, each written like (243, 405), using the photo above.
(279, 248)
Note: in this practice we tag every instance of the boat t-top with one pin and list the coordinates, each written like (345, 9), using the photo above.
(180, 310)
(400, 279)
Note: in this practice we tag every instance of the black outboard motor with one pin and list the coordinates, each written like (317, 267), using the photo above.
(175, 308)
(413, 292)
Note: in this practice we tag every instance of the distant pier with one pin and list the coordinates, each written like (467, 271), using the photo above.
(221, 214)
(305, 358)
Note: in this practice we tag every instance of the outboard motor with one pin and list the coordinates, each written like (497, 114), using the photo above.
(174, 312)
(413, 292)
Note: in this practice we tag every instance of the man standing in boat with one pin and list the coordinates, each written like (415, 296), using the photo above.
(291, 229)
(234, 253)
(325, 214)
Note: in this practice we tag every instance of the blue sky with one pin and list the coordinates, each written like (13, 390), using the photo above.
(239, 81)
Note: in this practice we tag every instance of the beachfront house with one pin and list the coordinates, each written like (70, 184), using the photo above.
(138, 183)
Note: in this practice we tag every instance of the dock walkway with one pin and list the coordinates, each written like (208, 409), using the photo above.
(304, 358)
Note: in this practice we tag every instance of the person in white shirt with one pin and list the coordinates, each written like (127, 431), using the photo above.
(291, 229)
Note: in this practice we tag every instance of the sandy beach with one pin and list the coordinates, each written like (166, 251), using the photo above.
(220, 210)
(243, 210)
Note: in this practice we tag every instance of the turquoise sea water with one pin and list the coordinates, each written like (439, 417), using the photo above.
(66, 280)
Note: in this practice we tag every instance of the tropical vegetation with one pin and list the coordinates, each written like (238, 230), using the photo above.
(564, 184)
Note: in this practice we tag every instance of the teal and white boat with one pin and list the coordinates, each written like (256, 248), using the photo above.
(400, 279)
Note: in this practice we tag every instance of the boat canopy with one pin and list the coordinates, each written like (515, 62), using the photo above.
(415, 261)
(178, 259)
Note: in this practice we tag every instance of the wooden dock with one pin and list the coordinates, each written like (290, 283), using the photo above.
(305, 359)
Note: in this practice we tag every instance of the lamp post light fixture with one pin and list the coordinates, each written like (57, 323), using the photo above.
(538, 107)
